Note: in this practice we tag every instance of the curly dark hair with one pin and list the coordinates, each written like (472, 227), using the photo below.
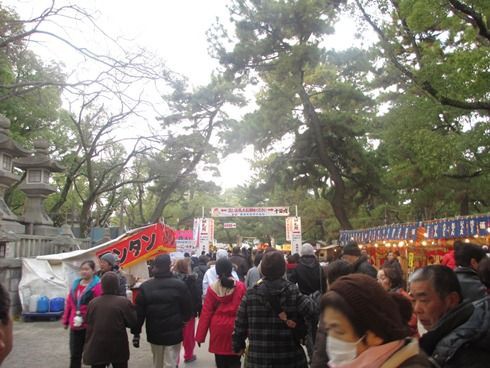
(4, 305)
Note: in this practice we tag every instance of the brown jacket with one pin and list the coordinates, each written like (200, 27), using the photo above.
(108, 316)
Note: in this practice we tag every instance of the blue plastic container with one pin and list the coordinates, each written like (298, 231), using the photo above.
(57, 304)
(43, 304)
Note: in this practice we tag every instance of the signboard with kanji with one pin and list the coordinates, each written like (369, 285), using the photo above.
(229, 225)
(141, 244)
(249, 211)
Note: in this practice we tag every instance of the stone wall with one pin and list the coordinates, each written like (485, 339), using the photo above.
(10, 275)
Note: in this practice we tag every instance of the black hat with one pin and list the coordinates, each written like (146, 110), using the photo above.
(351, 249)
(162, 263)
(273, 265)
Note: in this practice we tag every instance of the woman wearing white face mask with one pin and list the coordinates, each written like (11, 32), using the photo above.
(367, 326)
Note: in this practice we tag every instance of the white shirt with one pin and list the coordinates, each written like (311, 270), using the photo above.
(210, 277)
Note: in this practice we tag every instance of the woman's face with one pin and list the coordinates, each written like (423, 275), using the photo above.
(86, 272)
(337, 325)
(383, 280)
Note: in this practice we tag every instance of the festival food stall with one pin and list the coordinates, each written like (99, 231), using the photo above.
(51, 275)
(419, 243)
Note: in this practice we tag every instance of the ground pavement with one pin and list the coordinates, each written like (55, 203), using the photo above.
(45, 344)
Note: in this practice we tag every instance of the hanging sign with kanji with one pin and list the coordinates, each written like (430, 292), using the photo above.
(141, 244)
(249, 211)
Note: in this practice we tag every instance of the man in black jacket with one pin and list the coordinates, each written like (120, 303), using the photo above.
(458, 333)
(360, 264)
(467, 257)
(165, 303)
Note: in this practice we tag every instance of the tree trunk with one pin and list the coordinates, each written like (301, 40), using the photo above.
(337, 201)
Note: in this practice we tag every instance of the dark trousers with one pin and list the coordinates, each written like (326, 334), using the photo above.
(77, 340)
(227, 361)
(114, 365)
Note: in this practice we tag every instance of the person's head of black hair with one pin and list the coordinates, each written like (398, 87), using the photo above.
(4, 306)
(484, 271)
(468, 255)
(394, 274)
(442, 279)
(89, 263)
(337, 269)
(257, 259)
(203, 260)
(187, 255)
(236, 251)
(224, 268)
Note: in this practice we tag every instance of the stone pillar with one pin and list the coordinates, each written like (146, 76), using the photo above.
(10, 275)
(36, 186)
(9, 150)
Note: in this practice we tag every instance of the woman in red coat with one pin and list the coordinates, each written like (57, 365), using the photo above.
(218, 315)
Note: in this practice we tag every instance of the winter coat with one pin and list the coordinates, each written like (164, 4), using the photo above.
(191, 283)
(471, 285)
(218, 315)
(242, 265)
(164, 302)
(319, 358)
(362, 265)
(408, 356)
(90, 292)
(253, 276)
(210, 277)
(122, 281)
(107, 340)
(309, 275)
(200, 271)
(271, 341)
(461, 338)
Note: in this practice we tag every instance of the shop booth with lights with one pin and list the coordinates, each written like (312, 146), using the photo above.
(421, 243)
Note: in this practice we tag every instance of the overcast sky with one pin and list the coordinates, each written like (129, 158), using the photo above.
(175, 30)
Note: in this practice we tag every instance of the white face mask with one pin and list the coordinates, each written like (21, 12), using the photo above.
(341, 352)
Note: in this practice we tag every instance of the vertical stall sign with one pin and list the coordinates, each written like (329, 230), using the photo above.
(296, 239)
(203, 233)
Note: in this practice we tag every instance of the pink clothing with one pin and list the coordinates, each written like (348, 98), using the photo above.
(448, 260)
(94, 290)
(373, 357)
(189, 342)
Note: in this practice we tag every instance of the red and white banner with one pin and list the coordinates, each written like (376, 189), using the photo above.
(293, 233)
(249, 211)
(141, 244)
(203, 233)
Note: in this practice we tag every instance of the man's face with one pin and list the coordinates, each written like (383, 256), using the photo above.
(104, 266)
(390, 256)
(6, 339)
(428, 305)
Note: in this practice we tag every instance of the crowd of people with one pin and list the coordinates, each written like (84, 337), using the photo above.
(264, 311)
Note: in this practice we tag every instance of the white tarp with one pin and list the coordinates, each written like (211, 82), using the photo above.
(40, 278)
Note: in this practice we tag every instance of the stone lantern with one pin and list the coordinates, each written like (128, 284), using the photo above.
(9, 150)
(36, 186)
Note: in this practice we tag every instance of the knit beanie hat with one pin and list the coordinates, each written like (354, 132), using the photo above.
(372, 307)
(109, 258)
(307, 250)
(224, 267)
(221, 253)
(273, 265)
(351, 249)
(162, 263)
(110, 283)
